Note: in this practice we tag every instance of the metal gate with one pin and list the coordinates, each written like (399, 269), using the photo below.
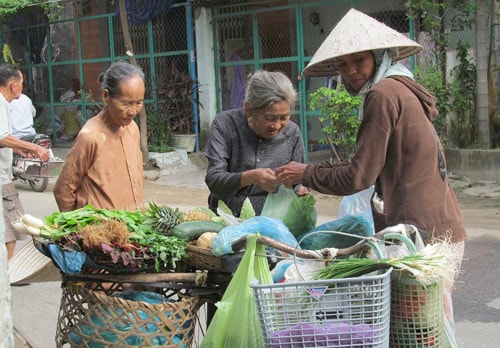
(82, 44)
(283, 35)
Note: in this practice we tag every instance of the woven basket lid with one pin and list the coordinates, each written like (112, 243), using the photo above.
(357, 32)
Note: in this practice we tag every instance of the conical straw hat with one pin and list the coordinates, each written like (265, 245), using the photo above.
(29, 265)
(357, 32)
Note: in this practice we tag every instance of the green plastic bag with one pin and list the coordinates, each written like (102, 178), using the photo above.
(297, 212)
(236, 323)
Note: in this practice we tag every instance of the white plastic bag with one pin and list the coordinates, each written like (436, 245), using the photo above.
(358, 204)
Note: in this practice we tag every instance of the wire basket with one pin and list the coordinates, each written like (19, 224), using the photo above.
(91, 315)
(417, 318)
(350, 312)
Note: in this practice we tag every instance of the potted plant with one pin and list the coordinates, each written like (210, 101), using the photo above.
(159, 134)
(177, 101)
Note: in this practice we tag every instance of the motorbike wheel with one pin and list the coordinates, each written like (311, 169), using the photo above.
(39, 185)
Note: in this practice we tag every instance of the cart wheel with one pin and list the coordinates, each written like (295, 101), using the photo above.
(204, 316)
(39, 185)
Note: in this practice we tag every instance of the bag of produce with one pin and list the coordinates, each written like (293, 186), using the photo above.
(323, 237)
(236, 323)
(266, 226)
(297, 212)
(358, 204)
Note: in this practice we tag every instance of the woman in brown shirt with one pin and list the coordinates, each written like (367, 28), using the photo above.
(104, 167)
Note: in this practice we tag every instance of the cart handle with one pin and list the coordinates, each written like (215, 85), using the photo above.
(325, 253)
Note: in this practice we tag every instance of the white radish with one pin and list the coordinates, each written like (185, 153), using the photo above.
(33, 230)
(20, 227)
(30, 220)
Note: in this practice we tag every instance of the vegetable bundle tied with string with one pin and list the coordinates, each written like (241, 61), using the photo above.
(427, 266)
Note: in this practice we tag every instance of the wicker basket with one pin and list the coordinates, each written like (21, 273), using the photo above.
(204, 259)
(135, 265)
(91, 318)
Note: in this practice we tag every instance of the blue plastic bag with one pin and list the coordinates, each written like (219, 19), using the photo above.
(266, 226)
(69, 262)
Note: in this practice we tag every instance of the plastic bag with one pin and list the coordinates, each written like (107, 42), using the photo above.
(302, 270)
(266, 226)
(323, 237)
(69, 262)
(358, 204)
(236, 323)
(298, 213)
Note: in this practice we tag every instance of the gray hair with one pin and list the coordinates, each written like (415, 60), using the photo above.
(8, 72)
(115, 74)
(264, 88)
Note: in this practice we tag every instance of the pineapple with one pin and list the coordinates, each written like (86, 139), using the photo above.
(163, 218)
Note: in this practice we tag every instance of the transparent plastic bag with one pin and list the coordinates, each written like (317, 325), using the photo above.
(358, 204)
(297, 212)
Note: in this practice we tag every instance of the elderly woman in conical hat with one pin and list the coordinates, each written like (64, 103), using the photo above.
(397, 147)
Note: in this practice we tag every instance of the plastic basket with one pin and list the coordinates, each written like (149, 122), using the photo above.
(94, 318)
(417, 318)
(350, 312)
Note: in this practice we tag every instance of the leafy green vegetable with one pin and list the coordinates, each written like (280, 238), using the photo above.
(247, 210)
(224, 208)
(165, 249)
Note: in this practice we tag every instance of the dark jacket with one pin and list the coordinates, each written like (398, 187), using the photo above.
(233, 147)
(399, 151)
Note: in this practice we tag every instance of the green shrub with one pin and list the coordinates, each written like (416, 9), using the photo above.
(339, 118)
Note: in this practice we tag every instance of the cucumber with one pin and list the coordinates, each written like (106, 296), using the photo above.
(191, 230)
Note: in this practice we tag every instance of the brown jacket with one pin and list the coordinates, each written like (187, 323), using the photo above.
(103, 168)
(399, 151)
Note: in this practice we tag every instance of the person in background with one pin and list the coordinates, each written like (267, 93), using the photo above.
(22, 112)
(245, 145)
(11, 86)
(104, 167)
(397, 147)
(73, 93)
(68, 114)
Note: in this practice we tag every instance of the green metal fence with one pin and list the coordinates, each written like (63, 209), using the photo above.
(271, 35)
(84, 43)
(248, 35)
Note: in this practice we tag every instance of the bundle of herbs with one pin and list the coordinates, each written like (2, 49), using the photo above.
(429, 265)
(125, 237)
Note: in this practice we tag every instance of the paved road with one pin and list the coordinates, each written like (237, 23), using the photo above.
(477, 294)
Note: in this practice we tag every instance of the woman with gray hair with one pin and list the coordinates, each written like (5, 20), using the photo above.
(245, 145)
(104, 167)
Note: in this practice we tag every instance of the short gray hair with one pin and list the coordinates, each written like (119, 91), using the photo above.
(115, 74)
(264, 88)
(8, 72)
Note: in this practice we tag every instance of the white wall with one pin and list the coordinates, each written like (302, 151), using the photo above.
(206, 70)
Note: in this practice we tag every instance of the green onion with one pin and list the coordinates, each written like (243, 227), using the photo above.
(427, 266)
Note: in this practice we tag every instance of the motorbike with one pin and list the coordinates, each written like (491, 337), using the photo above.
(35, 172)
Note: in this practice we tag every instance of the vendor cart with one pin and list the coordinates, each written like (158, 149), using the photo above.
(97, 308)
